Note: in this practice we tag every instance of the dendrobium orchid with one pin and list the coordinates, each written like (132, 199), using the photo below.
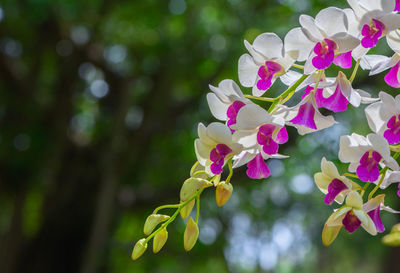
(355, 214)
(305, 116)
(331, 183)
(383, 117)
(351, 216)
(226, 101)
(214, 147)
(319, 40)
(260, 135)
(256, 125)
(382, 63)
(376, 18)
(266, 62)
(364, 155)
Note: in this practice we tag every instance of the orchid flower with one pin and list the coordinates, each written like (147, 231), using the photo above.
(353, 215)
(319, 40)
(305, 116)
(364, 155)
(383, 117)
(335, 96)
(378, 63)
(266, 62)
(260, 135)
(376, 18)
(226, 101)
(331, 183)
(214, 147)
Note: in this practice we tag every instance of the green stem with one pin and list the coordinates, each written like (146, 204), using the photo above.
(259, 98)
(351, 175)
(365, 188)
(164, 225)
(166, 207)
(319, 76)
(193, 168)
(298, 66)
(371, 194)
(228, 179)
(353, 75)
(287, 92)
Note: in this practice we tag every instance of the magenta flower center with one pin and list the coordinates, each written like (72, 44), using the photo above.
(217, 157)
(397, 7)
(266, 140)
(372, 33)
(266, 73)
(351, 222)
(368, 170)
(232, 112)
(335, 187)
(325, 51)
(392, 134)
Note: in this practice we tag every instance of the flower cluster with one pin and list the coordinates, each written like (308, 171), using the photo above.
(249, 134)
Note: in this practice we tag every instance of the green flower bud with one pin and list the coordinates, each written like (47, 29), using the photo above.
(192, 185)
(152, 221)
(186, 210)
(191, 234)
(159, 240)
(223, 193)
(139, 249)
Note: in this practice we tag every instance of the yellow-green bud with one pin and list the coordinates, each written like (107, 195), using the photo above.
(186, 210)
(223, 193)
(192, 185)
(152, 221)
(159, 240)
(139, 248)
(191, 234)
(392, 239)
(396, 228)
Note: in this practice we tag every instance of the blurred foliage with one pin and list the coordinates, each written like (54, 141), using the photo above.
(99, 105)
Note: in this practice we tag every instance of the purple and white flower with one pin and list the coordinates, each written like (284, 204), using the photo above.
(384, 117)
(215, 146)
(266, 62)
(319, 40)
(260, 134)
(331, 183)
(226, 101)
(376, 18)
(364, 155)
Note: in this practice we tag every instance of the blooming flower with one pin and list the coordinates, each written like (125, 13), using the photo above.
(214, 147)
(353, 215)
(260, 135)
(305, 116)
(382, 63)
(331, 183)
(376, 19)
(318, 41)
(267, 61)
(226, 101)
(383, 117)
(364, 155)
(336, 95)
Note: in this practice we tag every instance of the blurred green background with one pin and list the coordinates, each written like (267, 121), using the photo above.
(99, 105)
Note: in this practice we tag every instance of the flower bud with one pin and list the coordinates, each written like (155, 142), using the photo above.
(139, 249)
(396, 228)
(191, 234)
(159, 240)
(192, 185)
(152, 221)
(392, 239)
(223, 193)
(186, 210)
